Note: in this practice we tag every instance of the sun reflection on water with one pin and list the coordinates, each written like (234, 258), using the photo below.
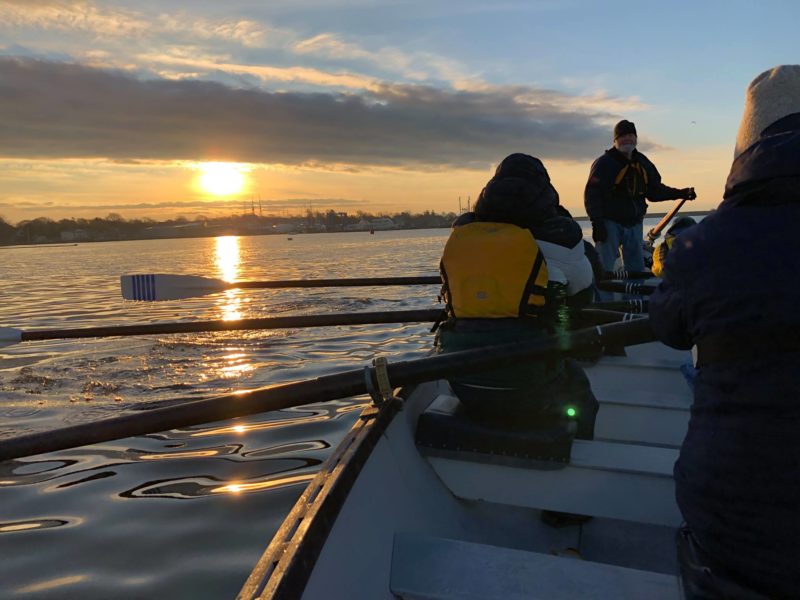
(227, 257)
(258, 486)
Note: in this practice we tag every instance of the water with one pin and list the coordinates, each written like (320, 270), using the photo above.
(187, 512)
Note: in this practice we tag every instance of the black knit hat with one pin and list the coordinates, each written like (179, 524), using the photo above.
(624, 127)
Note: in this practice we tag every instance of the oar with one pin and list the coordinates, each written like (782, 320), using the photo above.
(9, 335)
(653, 234)
(623, 274)
(159, 286)
(322, 389)
(636, 305)
(600, 316)
(627, 287)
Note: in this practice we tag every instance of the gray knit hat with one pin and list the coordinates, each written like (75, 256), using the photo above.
(771, 96)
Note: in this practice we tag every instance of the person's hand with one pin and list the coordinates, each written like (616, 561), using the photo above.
(688, 193)
(599, 233)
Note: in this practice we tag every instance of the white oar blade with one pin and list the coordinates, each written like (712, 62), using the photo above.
(10, 336)
(152, 286)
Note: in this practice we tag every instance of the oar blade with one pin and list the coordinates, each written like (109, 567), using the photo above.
(9, 336)
(154, 286)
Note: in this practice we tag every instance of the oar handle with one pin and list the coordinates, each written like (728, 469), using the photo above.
(627, 287)
(599, 315)
(623, 274)
(635, 305)
(321, 389)
(653, 234)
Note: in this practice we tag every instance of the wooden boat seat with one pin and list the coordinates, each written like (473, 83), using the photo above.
(602, 479)
(598, 478)
(445, 427)
(426, 567)
(649, 418)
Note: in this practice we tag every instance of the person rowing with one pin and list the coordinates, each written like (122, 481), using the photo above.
(731, 286)
(506, 269)
(660, 254)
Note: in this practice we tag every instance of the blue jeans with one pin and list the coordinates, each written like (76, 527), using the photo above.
(629, 238)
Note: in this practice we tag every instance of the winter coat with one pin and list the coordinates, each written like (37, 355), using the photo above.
(731, 285)
(548, 383)
(623, 201)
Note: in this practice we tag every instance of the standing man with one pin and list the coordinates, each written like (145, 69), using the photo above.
(619, 182)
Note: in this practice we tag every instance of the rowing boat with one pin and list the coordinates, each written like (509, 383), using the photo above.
(418, 501)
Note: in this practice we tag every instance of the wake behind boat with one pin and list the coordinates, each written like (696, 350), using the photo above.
(419, 501)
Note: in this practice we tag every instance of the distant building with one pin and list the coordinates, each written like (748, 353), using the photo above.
(379, 224)
(382, 224)
(285, 228)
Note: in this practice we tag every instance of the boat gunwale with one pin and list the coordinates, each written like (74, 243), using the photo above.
(288, 561)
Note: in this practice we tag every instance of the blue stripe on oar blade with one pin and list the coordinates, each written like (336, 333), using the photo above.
(144, 287)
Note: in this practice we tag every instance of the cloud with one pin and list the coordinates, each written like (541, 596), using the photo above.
(415, 65)
(83, 17)
(59, 110)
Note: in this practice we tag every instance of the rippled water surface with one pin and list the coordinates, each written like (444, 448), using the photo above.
(186, 512)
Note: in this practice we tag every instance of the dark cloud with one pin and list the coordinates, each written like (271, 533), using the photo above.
(60, 110)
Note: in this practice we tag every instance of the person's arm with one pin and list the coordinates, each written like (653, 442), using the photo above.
(657, 191)
(597, 190)
(667, 307)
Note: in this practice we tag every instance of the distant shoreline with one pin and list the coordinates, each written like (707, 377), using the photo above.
(245, 232)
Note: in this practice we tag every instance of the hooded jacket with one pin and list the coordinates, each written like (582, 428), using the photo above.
(618, 186)
(731, 285)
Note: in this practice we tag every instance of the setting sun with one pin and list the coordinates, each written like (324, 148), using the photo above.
(221, 178)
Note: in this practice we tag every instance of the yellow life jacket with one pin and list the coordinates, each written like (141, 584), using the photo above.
(493, 271)
(660, 255)
(635, 177)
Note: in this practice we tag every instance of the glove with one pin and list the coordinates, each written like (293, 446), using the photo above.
(599, 233)
(688, 194)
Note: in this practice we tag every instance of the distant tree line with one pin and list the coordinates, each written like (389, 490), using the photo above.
(115, 227)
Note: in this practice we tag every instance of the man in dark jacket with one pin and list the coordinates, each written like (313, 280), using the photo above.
(731, 286)
(614, 198)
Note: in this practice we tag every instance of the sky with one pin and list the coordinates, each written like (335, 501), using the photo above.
(165, 108)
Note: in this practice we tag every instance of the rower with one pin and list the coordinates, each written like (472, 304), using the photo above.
(736, 480)
(500, 285)
(660, 255)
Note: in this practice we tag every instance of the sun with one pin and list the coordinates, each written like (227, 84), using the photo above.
(221, 178)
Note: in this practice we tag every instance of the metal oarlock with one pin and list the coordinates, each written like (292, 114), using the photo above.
(384, 389)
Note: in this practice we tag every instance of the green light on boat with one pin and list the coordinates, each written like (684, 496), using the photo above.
(571, 412)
